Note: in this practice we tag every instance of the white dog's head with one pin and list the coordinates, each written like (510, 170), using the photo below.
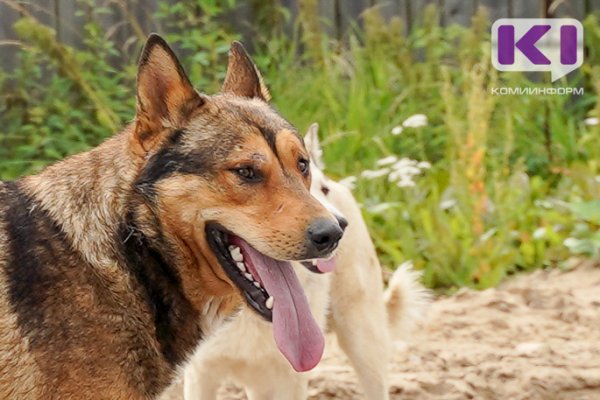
(321, 188)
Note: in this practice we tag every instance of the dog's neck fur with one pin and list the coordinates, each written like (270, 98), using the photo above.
(93, 197)
(89, 193)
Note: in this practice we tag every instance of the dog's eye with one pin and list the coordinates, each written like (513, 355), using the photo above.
(325, 190)
(303, 166)
(248, 174)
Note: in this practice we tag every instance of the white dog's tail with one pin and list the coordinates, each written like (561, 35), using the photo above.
(406, 301)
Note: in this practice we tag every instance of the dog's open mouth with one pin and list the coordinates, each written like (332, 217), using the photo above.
(273, 290)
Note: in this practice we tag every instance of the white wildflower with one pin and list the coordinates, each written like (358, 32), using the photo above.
(406, 182)
(373, 174)
(382, 207)
(544, 203)
(571, 242)
(387, 160)
(447, 204)
(410, 170)
(405, 170)
(487, 235)
(394, 176)
(415, 121)
(591, 121)
(404, 162)
(397, 130)
(349, 182)
(539, 233)
(406, 166)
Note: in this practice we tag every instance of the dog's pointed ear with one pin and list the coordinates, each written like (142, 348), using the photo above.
(165, 96)
(311, 141)
(243, 78)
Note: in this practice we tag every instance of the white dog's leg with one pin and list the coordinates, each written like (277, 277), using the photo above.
(363, 335)
(357, 303)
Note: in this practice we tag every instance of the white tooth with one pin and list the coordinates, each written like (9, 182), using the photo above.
(231, 247)
(236, 254)
(249, 276)
(257, 284)
(241, 266)
(314, 263)
(269, 303)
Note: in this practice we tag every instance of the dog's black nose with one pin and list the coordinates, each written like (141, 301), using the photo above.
(323, 236)
(342, 221)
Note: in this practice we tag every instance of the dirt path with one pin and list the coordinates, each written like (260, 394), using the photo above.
(535, 337)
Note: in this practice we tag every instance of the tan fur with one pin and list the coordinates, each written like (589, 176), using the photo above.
(352, 296)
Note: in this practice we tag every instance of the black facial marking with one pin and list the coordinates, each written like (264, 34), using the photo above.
(171, 159)
(175, 319)
(267, 133)
(270, 137)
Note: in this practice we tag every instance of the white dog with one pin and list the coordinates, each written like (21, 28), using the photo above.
(363, 318)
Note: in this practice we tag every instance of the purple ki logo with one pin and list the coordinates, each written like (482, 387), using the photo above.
(537, 44)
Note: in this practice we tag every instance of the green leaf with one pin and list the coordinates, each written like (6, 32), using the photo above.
(588, 211)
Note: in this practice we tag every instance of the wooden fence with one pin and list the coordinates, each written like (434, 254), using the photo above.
(64, 15)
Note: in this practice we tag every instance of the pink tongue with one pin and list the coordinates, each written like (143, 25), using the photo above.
(297, 334)
(326, 265)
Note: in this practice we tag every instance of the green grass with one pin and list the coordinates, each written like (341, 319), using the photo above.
(513, 181)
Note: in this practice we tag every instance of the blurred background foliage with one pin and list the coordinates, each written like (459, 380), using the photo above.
(468, 186)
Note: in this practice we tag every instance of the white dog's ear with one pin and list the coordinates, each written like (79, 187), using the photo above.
(311, 141)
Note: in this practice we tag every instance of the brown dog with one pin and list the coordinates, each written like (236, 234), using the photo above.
(115, 263)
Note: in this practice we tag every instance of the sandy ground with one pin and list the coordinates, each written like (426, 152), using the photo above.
(535, 337)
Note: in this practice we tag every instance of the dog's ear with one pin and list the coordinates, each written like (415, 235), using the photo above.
(165, 96)
(243, 78)
(311, 141)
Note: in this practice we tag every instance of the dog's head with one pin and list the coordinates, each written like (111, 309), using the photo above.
(228, 180)
(321, 188)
